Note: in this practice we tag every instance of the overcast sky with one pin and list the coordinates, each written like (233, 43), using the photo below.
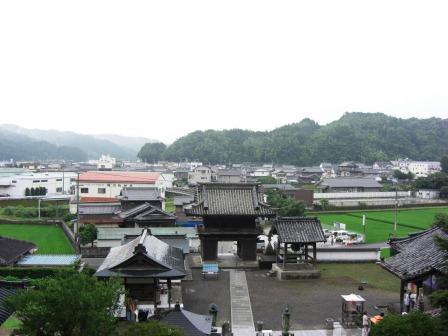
(161, 69)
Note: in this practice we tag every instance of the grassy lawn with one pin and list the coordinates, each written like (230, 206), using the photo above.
(373, 274)
(49, 239)
(380, 224)
(11, 323)
(169, 205)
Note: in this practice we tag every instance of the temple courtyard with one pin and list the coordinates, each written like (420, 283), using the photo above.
(310, 301)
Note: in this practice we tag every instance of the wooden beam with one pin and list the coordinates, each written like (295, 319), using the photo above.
(314, 253)
(285, 255)
(401, 295)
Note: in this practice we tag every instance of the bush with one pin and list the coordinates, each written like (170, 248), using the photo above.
(414, 324)
(29, 273)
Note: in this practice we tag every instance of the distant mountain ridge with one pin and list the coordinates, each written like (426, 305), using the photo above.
(92, 146)
(364, 137)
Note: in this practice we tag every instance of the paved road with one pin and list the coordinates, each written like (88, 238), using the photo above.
(241, 310)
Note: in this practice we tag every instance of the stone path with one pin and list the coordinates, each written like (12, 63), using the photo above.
(241, 310)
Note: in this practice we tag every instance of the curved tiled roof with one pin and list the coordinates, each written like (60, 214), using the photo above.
(419, 255)
(244, 199)
(298, 230)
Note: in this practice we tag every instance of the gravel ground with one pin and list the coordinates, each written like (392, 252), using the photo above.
(310, 301)
(199, 293)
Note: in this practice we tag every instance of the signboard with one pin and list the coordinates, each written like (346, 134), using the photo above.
(338, 226)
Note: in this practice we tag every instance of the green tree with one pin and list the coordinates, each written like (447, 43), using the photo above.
(87, 234)
(27, 192)
(444, 164)
(266, 180)
(152, 152)
(444, 192)
(287, 206)
(69, 304)
(414, 324)
(398, 174)
(152, 328)
(33, 192)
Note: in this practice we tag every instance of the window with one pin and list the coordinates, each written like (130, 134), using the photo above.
(84, 190)
(101, 190)
(59, 180)
(59, 189)
(14, 181)
(44, 180)
(36, 181)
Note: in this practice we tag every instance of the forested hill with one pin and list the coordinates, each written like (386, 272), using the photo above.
(20, 147)
(364, 137)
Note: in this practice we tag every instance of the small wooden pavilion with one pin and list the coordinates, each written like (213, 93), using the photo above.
(417, 259)
(299, 234)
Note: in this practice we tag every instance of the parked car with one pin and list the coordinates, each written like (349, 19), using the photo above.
(261, 243)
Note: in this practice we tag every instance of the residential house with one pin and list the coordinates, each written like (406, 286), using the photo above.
(109, 184)
(132, 196)
(201, 174)
(229, 176)
(349, 168)
(106, 162)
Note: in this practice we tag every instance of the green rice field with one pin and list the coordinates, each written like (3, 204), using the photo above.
(380, 224)
(48, 238)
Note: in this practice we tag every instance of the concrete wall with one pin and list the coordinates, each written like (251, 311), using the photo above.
(358, 195)
(349, 254)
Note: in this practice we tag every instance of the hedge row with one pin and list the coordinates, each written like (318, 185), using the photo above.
(30, 272)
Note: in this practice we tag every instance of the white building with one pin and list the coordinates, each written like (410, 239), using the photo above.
(201, 174)
(424, 168)
(106, 162)
(108, 184)
(56, 183)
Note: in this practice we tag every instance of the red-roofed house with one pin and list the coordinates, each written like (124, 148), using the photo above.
(108, 184)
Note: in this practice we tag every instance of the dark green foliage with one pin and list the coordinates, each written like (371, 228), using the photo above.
(152, 152)
(87, 234)
(152, 328)
(27, 192)
(444, 164)
(50, 211)
(266, 180)
(69, 304)
(28, 272)
(364, 137)
(414, 324)
(288, 207)
(433, 181)
(398, 174)
(444, 192)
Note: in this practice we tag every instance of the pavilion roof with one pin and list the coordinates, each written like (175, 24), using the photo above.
(231, 199)
(169, 259)
(419, 255)
(298, 230)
